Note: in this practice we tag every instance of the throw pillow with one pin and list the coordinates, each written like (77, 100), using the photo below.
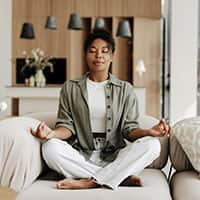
(187, 133)
(20, 159)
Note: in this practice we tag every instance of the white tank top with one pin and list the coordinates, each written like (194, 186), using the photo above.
(97, 105)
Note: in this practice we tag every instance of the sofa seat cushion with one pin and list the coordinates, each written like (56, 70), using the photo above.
(185, 185)
(156, 187)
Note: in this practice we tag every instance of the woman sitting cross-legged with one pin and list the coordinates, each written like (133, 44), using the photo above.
(99, 112)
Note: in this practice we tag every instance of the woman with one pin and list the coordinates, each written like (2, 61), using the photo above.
(99, 111)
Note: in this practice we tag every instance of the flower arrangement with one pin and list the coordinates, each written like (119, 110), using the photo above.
(37, 60)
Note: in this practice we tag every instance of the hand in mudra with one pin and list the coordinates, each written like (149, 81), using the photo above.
(43, 132)
(161, 129)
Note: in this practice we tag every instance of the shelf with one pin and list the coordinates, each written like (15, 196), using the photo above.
(34, 99)
(32, 92)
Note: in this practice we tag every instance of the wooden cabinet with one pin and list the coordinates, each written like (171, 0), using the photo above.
(144, 17)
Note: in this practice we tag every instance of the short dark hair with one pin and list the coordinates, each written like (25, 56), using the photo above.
(99, 34)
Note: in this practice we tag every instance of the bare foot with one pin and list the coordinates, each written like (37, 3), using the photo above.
(133, 181)
(76, 184)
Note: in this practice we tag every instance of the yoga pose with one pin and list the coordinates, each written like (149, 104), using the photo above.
(97, 140)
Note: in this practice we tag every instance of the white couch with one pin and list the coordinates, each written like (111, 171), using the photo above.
(22, 167)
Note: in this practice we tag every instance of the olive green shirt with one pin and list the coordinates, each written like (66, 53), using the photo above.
(121, 114)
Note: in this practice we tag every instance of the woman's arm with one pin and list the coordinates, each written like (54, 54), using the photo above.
(159, 130)
(43, 132)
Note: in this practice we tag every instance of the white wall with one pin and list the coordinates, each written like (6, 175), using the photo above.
(5, 45)
(183, 59)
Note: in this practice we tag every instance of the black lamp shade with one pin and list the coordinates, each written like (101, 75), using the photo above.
(124, 29)
(99, 23)
(27, 31)
(75, 22)
(51, 22)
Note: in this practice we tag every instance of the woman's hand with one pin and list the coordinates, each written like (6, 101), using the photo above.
(161, 129)
(43, 132)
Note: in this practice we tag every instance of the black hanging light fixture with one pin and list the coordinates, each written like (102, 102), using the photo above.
(51, 19)
(99, 23)
(27, 31)
(75, 22)
(51, 23)
(124, 29)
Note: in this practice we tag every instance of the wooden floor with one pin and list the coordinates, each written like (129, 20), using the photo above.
(7, 194)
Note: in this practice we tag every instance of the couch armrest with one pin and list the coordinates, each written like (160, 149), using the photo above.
(145, 122)
(48, 117)
(20, 155)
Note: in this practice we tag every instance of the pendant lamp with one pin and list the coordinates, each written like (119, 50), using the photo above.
(75, 22)
(27, 31)
(124, 29)
(51, 23)
(99, 23)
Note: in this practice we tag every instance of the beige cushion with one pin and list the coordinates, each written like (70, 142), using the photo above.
(178, 157)
(155, 188)
(185, 186)
(187, 134)
(20, 159)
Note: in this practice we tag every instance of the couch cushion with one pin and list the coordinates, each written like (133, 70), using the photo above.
(187, 133)
(20, 160)
(182, 142)
(155, 187)
(185, 186)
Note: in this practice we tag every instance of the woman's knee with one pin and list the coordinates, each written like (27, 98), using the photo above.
(150, 144)
(50, 149)
(153, 145)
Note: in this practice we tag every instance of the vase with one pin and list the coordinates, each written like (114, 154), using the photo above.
(31, 81)
(40, 80)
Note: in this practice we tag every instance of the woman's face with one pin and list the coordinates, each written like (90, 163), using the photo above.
(99, 56)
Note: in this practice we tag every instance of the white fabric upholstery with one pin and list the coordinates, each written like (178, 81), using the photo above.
(155, 187)
(20, 160)
(185, 186)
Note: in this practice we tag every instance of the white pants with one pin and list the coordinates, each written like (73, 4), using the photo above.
(131, 160)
